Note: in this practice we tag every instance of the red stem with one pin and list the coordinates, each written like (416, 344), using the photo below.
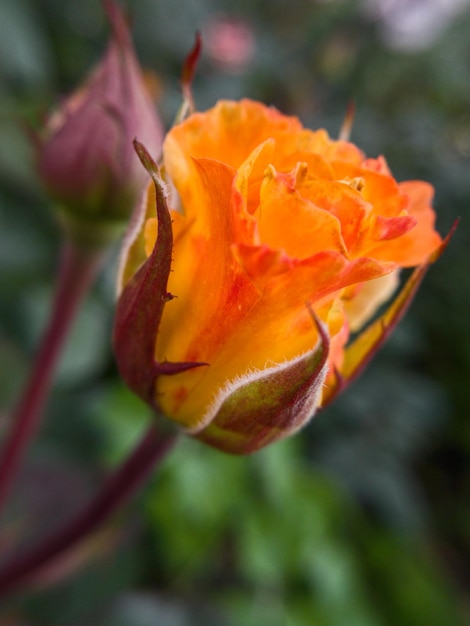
(119, 487)
(77, 270)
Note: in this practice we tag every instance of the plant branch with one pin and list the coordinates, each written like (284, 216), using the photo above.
(77, 270)
(119, 487)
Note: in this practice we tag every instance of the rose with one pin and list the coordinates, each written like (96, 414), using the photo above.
(284, 241)
(85, 155)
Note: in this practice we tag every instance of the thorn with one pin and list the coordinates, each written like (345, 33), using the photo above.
(167, 368)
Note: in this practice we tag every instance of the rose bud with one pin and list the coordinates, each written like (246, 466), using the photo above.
(85, 156)
(281, 242)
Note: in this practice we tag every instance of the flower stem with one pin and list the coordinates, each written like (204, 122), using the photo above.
(119, 487)
(77, 270)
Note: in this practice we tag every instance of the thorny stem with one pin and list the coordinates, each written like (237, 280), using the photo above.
(77, 270)
(119, 487)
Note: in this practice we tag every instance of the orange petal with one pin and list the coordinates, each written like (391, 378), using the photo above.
(342, 201)
(320, 143)
(228, 132)
(290, 222)
(251, 174)
(414, 247)
(206, 278)
(379, 189)
(274, 328)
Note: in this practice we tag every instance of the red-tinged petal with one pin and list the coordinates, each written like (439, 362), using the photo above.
(261, 263)
(267, 405)
(141, 303)
(387, 228)
(205, 273)
(412, 248)
(377, 165)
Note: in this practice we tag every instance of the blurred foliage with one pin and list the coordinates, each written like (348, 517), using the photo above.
(363, 519)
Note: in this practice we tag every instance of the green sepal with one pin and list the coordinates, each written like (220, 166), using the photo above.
(269, 405)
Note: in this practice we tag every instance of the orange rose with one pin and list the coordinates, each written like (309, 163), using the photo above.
(284, 240)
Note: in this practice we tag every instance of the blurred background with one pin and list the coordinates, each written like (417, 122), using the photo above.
(363, 519)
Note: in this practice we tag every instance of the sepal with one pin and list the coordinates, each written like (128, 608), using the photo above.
(268, 405)
(141, 303)
(187, 77)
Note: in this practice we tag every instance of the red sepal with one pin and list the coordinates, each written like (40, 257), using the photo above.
(189, 70)
(141, 303)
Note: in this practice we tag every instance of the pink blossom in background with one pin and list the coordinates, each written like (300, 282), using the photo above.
(229, 43)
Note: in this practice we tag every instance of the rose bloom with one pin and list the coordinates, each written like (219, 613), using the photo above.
(285, 241)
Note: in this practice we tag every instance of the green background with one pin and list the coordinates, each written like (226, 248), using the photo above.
(361, 520)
